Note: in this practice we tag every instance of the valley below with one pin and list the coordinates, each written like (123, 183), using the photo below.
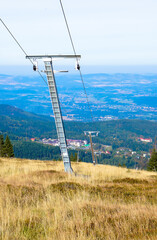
(111, 96)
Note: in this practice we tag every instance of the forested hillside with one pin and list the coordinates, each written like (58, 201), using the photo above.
(21, 126)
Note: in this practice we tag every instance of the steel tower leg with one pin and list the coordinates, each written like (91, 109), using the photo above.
(90, 137)
(58, 116)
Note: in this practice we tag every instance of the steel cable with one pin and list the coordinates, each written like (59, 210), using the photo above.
(21, 48)
(74, 50)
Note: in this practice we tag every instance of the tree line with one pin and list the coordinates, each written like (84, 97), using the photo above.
(152, 165)
(6, 148)
(39, 151)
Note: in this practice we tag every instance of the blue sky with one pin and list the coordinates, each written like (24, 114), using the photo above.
(115, 32)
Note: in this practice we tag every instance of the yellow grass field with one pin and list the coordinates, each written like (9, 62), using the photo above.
(39, 201)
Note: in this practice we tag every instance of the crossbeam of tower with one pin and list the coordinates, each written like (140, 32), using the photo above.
(56, 104)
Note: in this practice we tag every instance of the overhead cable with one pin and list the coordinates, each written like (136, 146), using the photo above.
(21, 48)
(77, 61)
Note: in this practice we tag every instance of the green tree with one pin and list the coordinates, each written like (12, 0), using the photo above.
(2, 147)
(8, 148)
(73, 158)
(152, 165)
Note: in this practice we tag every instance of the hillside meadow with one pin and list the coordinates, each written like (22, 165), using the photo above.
(39, 201)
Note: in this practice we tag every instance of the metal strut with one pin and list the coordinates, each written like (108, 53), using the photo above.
(58, 116)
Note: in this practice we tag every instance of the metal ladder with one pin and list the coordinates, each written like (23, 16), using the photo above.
(57, 114)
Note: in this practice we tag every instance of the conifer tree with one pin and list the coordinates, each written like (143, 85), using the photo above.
(9, 152)
(152, 165)
(73, 158)
(2, 152)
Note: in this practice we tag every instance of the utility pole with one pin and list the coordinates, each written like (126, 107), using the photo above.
(55, 102)
(91, 134)
(155, 145)
(78, 155)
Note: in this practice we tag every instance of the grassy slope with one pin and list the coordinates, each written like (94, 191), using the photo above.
(39, 201)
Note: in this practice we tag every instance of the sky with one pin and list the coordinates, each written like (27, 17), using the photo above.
(105, 32)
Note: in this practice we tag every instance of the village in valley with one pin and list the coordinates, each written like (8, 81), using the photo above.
(99, 149)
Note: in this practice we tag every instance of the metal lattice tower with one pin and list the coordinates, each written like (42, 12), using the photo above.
(56, 105)
(90, 135)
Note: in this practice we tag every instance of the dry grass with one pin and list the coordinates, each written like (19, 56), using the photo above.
(39, 201)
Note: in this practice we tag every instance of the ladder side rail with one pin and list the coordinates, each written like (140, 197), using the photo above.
(57, 114)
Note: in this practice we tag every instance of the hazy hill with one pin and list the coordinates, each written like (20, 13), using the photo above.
(39, 201)
(19, 114)
(19, 124)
